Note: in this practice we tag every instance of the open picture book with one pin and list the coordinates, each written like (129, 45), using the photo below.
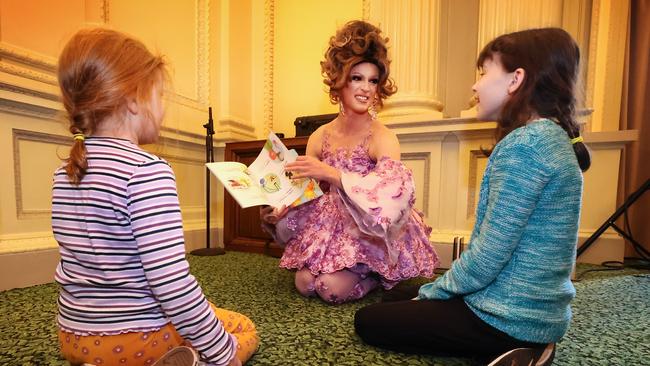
(265, 181)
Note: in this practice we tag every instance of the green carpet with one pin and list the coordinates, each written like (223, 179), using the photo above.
(611, 323)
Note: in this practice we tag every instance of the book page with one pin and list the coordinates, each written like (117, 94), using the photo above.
(268, 168)
(308, 187)
(265, 181)
(239, 183)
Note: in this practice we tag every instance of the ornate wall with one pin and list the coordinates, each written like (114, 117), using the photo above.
(256, 62)
(33, 131)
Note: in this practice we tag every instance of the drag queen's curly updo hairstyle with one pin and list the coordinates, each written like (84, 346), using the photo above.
(355, 43)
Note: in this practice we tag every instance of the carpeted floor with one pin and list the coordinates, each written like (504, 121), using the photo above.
(611, 324)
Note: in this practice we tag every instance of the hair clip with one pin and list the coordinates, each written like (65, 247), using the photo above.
(575, 140)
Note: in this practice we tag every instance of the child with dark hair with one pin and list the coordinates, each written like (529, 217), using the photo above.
(508, 294)
(126, 293)
(364, 232)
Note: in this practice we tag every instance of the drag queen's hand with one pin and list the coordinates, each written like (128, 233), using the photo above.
(310, 167)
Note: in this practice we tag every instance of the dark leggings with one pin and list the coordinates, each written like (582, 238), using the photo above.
(438, 327)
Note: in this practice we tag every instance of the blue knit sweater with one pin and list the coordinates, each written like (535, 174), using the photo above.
(515, 274)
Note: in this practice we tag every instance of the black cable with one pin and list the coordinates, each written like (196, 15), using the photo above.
(629, 263)
(609, 266)
(637, 263)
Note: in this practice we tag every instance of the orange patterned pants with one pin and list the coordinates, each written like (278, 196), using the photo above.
(138, 348)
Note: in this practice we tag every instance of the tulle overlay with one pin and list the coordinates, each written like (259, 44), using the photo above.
(370, 226)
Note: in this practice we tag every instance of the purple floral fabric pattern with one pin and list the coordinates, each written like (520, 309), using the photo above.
(369, 226)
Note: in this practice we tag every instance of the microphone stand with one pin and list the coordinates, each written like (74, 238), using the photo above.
(209, 157)
(611, 222)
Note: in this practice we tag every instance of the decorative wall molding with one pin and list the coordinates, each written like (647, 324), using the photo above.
(35, 74)
(26, 73)
(410, 128)
(203, 50)
(365, 10)
(181, 159)
(185, 139)
(230, 124)
(105, 11)
(202, 33)
(29, 80)
(18, 243)
(29, 92)
(195, 209)
(591, 60)
(28, 59)
(269, 39)
(426, 158)
(30, 110)
(24, 135)
(28, 83)
(29, 65)
(472, 183)
(64, 141)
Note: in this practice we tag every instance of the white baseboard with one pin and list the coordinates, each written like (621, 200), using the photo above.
(445, 251)
(26, 269)
(36, 267)
(608, 247)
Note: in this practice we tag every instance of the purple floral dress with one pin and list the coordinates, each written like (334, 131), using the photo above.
(370, 226)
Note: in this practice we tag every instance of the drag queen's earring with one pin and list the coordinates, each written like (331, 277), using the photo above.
(372, 110)
(341, 109)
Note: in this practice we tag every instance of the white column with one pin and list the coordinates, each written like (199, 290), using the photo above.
(606, 63)
(497, 17)
(412, 27)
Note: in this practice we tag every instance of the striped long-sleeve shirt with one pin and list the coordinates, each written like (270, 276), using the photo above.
(123, 266)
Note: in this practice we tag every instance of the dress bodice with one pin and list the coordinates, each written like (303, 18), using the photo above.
(355, 160)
